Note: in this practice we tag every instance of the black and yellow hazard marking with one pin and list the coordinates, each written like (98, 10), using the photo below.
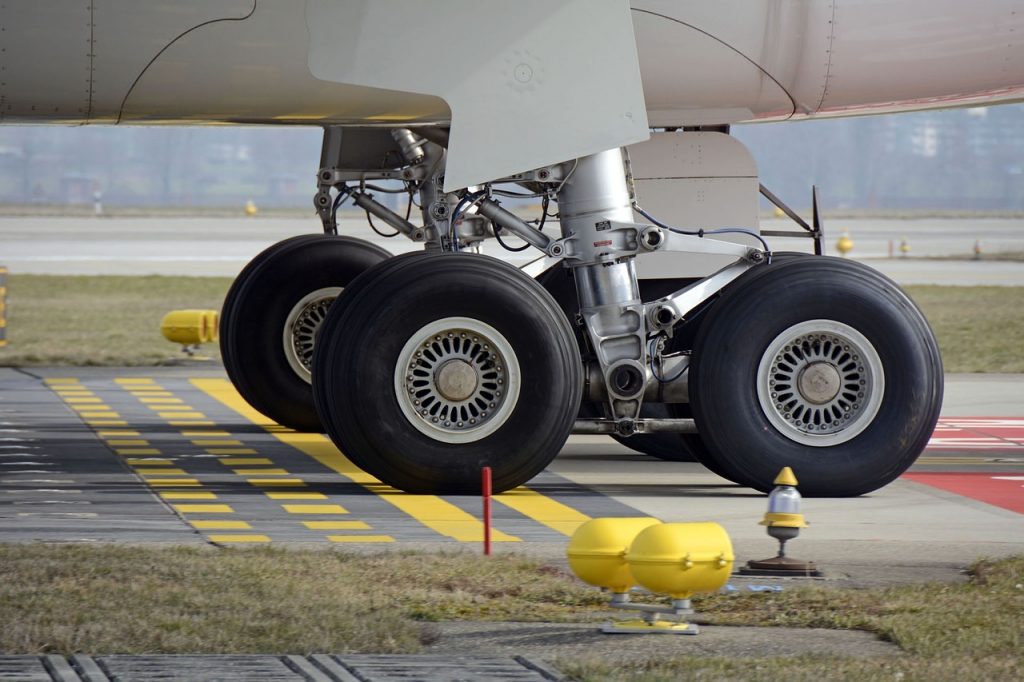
(235, 477)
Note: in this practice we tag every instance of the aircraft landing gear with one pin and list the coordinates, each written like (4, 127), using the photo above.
(271, 316)
(431, 365)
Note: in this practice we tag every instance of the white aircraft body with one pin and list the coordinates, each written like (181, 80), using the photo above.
(615, 117)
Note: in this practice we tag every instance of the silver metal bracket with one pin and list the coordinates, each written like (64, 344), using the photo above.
(630, 427)
(664, 313)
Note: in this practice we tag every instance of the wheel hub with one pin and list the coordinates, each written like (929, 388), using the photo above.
(820, 382)
(301, 328)
(457, 380)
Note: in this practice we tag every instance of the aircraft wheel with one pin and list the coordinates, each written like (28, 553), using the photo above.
(271, 316)
(438, 364)
(819, 364)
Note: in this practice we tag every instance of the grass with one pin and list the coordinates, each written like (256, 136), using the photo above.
(116, 599)
(115, 321)
(979, 328)
(100, 320)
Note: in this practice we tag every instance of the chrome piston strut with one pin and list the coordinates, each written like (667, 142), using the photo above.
(594, 198)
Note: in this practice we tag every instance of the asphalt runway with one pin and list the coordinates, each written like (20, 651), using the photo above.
(173, 455)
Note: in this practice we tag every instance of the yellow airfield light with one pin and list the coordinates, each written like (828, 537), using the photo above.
(187, 327)
(681, 559)
(597, 551)
(677, 559)
(844, 244)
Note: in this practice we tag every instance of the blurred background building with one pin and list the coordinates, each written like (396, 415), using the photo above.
(955, 160)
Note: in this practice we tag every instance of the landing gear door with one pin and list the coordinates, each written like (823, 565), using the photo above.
(695, 181)
(529, 83)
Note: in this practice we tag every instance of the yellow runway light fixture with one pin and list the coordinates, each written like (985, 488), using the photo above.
(597, 551)
(677, 559)
(844, 244)
(784, 521)
(190, 328)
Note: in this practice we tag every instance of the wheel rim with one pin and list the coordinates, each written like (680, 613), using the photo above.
(457, 380)
(301, 328)
(820, 383)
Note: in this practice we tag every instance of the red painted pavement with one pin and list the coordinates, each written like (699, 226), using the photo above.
(1000, 490)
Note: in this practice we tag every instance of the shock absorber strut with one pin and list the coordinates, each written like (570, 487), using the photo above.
(591, 203)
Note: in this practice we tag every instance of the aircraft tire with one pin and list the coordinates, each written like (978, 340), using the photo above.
(819, 364)
(271, 315)
(475, 343)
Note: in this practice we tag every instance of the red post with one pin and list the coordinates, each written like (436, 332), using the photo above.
(486, 489)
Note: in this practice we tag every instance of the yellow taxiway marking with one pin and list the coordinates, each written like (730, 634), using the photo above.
(192, 422)
(360, 538)
(81, 400)
(244, 461)
(295, 495)
(221, 525)
(181, 415)
(238, 538)
(205, 442)
(172, 495)
(137, 451)
(206, 434)
(149, 462)
(232, 451)
(133, 380)
(278, 482)
(161, 472)
(551, 513)
(262, 472)
(82, 409)
(179, 482)
(149, 400)
(106, 422)
(314, 509)
(204, 508)
(76, 393)
(336, 525)
(99, 415)
(61, 380)
(119, 433)
(437, 514)
(172, 409)
(127, 443)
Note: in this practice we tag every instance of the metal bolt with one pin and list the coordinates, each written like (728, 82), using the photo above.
(459, 425)
(472, 421)
(491, 405)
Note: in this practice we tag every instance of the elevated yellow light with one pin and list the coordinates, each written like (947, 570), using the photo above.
(190, 327)
(681, 559)
(597, 551)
